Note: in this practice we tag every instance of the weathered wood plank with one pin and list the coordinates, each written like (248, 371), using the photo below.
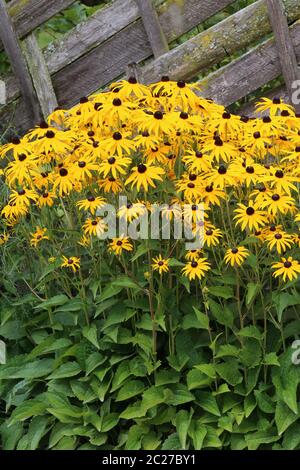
(158, 41)
(248, 73)
(89, 34)
(40, 75)
(211, 46)
(29, 14)
(18, 63)
(176, 18)
(284, 44)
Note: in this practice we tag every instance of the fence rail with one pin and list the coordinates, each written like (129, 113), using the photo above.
(99, 50)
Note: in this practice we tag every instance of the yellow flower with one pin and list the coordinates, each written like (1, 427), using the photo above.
(114, 166)
(144, 176)
(3, 238)
(236, 256)
(38, 236)
(279, 240)
(160, 264)
(250, 216)
(117, 245)
(196, 269)
(91, 204)
(72, 263)
(94, 226)
(286, 268)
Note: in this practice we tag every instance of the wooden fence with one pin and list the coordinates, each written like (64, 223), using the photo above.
(100, 49)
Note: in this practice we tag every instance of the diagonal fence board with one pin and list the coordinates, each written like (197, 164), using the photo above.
(106, 53)
(78, 51)
(27, 15)
(248, 73)
(213, 45)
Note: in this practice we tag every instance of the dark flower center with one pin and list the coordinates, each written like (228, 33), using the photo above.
(44, 125)
(63, 172)
(94, 223)
(234, 251)
(279, 174)
(184, 115)
(22, 157)
(273, 228)
(218, 142)
(117, 102)
(91, 133)
(50, 134)
(191, 185)
(132, 80)
(70, 261)
(276, 100)
(117, 136)
(256, 135)
(278, 236)
(158, 115)
(22, 192)
(165, 78)
(142, 168)
(81, 164)
(250, 211)
(226, 115)
(192, 177)
(287, 264)
(267, 119)
(111, 160)
(91, 199)
(16, 141)
(181, 84)
(194, 264)
(209, 189)
(209, 233)
(222, 170)
(250, 170)
(275, 197)
(160, 263)
(285, 113)
(83, 100)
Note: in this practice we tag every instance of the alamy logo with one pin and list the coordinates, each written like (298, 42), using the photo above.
(2, 92)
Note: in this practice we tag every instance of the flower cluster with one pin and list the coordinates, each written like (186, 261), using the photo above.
(165, 144)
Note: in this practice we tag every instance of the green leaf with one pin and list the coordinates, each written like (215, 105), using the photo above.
(90, 333)
(130, 389)
(36, 431)
(284, 417)
(207, 369)
(202, 319)
(55, 301)
(254, 440)
(70, 369)
(31, 370)
(197, 379)
(27, 409)
(252, 291)
(108, 292)
(182, 422)
(208, 402)
(225, 292)
(172, 442)
(166, 376)
(93, 361)
(229, 372)
(197, 432)
(223, 315)
(251, 332)
(125, 282)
